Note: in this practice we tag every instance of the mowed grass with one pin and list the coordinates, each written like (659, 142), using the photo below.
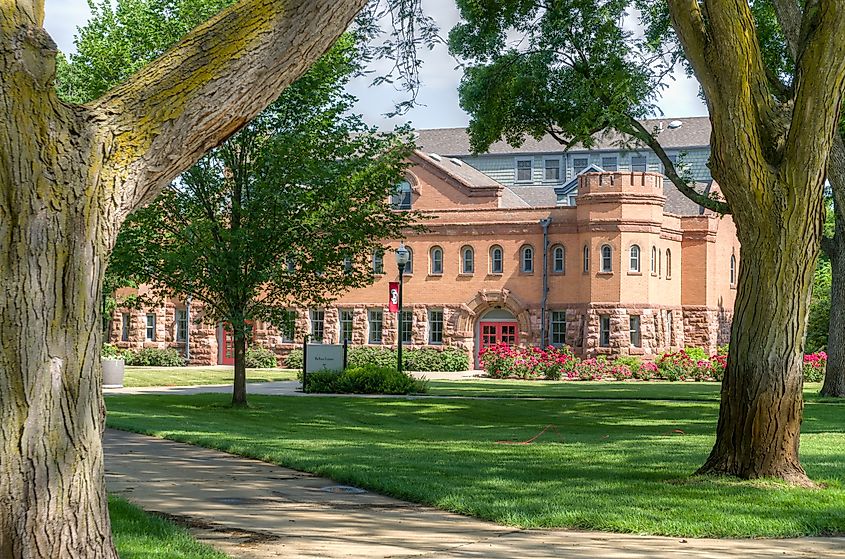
(138, 535)
(653, 390)
(192, 376)
(619, 464)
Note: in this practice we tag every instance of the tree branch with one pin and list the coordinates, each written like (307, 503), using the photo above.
(639, 131)
(789, 17)
(208, 86)
(688, 22)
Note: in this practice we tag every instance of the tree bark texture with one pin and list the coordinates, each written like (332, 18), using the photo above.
(239, 385)
(834, 378)
(68, 177)
(770, 160)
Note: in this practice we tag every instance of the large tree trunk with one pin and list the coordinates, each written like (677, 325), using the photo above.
(834, 377)
(762, 398)
(239, 385)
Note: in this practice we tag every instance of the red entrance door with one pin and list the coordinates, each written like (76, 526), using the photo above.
(492, 333)
(227, 344)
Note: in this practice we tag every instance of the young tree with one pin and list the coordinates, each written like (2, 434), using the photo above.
(286, 212)
(69, 175)
(576, 72)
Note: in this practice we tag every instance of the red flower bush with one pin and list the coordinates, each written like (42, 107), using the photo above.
(814, 366)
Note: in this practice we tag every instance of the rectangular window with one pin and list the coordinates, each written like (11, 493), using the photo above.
(317, 326)
(401, 198)
(608, 163)
(378, 262)
(639, 163)
(634, 330)
(150, 334)
(586, 260)
(407, 319)
(346, 325)
(579, 164)
(551, 169)
(604, 330)
(524, 169)
(669, 335)
(558, 328)
(181, 325)
(572, 201)
(376, 318)
(288, 326)
(124, 327)
(435, 327)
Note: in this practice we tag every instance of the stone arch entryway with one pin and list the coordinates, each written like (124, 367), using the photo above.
(505, 317)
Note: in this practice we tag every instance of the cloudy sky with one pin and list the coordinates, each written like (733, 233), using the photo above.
(438, 95)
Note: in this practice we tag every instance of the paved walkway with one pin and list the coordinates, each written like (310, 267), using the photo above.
(253, 510)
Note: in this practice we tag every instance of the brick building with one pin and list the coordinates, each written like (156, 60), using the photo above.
(631, 267)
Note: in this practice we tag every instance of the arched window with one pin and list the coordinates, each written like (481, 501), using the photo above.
(409, 267)
(497, 259)
(527, 259)
(467, 260)
(401, 198)
(635, 258)
(559, 260)
(606, 258)
(733, 269)
(586, 259)
(436, 264)
(659, 263)
(668, 264)
(654, 260)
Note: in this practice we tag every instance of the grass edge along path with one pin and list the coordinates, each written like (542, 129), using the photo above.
(620, 465)
(142, 377)
(141, 535)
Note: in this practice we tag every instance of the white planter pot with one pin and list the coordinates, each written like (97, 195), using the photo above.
(112, 373)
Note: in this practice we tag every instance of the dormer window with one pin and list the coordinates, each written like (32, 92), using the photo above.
(551, 170)
(524, 170)
(401, 199)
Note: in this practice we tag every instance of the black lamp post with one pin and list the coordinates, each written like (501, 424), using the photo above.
(402, 257)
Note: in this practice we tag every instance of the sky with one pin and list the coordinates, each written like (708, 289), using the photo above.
(440, 76)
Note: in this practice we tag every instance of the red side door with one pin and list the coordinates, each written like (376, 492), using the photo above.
(227, 344)
(492, 333)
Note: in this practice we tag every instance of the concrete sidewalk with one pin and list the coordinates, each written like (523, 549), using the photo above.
(250, 509)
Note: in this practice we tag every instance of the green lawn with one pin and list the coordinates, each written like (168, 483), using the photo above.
(621, 465)
(190, 376)
(653, 390)
(139, 535)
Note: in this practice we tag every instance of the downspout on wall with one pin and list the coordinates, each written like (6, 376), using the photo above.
(188, 330)
(544, 223)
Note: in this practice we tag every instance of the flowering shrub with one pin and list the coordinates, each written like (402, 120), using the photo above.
(814, 366)
(504, 361)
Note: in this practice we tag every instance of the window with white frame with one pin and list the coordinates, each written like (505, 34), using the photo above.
(634, 265)
(609, 162)
(659, 263)
(634, 330)
(288, 326)
(376, 318)
(559, 260)
(124, 326)
(347, 264)
(668, 264)
(409, 266)
(497, 259)
(606, 258)
(435, 326)
(524, 170)
(181, 325)
(654, 260)
(346, 317)
(318, 323)
(378, 261)
(579, 164)
(733, 269)
(467, 260)
(436, 265)
(527, 258)
(586, 259)
(558, 328)
(551, 169)
(604, 330)
(639, 163)
(150, 334)
(406, 328)
(401, 198)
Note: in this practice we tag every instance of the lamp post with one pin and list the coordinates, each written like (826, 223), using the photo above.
(402, 256)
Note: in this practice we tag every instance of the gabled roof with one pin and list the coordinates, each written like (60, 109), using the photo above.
(465, 174)
(692, 132)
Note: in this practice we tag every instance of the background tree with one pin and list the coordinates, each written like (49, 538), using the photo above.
(574, 71)
(287, 212)
(69, 175)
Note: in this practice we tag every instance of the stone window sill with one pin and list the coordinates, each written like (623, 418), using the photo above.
(635, 273)
(605, 273)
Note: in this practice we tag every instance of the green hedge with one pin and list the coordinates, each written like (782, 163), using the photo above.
(152, 357)
(449, 359)
(260, 358)
(368, 379)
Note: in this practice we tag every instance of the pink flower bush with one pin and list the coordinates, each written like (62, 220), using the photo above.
(814, 366)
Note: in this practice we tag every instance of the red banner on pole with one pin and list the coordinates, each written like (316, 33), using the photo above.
(393, 300)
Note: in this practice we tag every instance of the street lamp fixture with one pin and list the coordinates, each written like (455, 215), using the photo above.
(403, 255)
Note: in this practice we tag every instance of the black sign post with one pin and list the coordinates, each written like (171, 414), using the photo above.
(304, 362)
